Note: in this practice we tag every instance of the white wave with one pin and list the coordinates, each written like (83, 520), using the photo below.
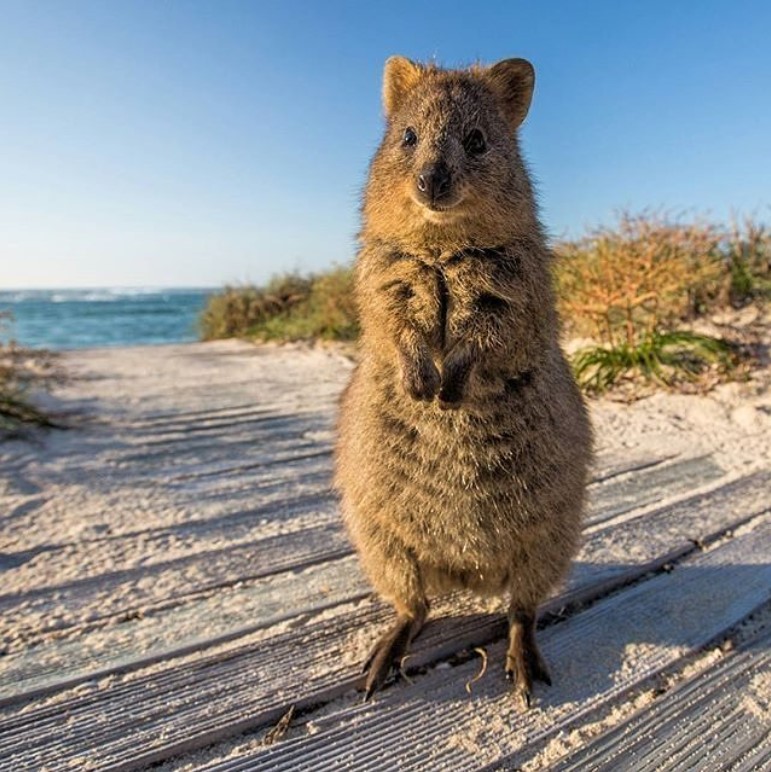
(91, 294)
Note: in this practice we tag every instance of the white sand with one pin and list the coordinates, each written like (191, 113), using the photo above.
(107, 495)
(76, 485)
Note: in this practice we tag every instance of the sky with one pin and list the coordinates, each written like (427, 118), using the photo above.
(185, 143)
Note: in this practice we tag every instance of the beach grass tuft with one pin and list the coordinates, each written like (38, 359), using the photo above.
(665, 358)
(21, 371)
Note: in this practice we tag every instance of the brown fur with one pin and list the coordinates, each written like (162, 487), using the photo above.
(463, 441)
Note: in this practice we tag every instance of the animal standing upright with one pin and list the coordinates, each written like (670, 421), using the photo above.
(463, 440)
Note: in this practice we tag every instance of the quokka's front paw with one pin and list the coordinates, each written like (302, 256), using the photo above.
(421, 380)
(453, 388)
(451, 395)
(456, 370)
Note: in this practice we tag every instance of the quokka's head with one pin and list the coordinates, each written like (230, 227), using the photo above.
(449, 156)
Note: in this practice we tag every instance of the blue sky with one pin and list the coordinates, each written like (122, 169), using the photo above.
(197, 143)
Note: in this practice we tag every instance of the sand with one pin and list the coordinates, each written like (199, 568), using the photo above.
(69, 487)
(88, 512)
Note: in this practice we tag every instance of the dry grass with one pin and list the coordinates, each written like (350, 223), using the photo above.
(21, 371)
(290, 307)
(634, 288)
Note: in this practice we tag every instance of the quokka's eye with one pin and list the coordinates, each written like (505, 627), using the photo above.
(475, 142)
(410, 138)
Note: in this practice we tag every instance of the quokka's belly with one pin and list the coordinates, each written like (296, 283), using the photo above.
(470, 491)
(448, 480)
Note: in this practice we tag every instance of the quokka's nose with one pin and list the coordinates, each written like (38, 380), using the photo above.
(434, 181)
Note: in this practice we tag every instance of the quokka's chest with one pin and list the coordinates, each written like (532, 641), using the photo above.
(447, 298)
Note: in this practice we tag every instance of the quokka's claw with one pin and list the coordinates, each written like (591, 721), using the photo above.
(524, 665)
(386, 655)
(447, 404)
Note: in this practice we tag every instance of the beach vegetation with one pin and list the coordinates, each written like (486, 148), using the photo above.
(22, 371)
(636, 290)
(290, 307)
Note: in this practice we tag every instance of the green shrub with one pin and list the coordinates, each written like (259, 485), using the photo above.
(235, 311)
(747, 254)
(289, 307)
(665, 358)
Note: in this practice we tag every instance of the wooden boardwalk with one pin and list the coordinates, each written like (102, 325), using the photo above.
(175, 578)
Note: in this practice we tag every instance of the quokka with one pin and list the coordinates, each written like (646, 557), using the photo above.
(463, 441)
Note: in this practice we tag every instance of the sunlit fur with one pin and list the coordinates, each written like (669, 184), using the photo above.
(493, 191)
(463, 441)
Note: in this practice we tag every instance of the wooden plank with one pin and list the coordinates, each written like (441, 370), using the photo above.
(240, 610)
(234, 690)
(214, 448)
(148, 588)
(596, 656)
(143, 419)
(175, 507)
(143, 426)
(178, 630)
(271, 498)
(298, 452)
(720, 719)
(268, 486)
(152, 584)
(607, 464)
(648, 486)
(185, 460)
(190, 439)
(284, 496)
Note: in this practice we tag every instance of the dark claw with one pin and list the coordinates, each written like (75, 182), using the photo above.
(421, 380)
(522, 688)
(455, 375)
(450, 395)
(524, 666)
(387, 654)
(370, 658)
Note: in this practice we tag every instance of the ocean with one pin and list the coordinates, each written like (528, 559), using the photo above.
(85, 318)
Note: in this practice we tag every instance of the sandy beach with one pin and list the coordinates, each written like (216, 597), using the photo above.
(188, 503)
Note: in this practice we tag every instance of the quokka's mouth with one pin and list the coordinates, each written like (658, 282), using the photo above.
(441, 211)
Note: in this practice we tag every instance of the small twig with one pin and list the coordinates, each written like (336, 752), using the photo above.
(482, 653)
(402, 673)
(280, 729)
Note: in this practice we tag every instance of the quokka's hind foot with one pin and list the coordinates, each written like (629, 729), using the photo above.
(524, 663)
(389, 651)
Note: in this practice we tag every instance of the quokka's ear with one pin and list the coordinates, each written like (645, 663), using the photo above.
(513, 81)
(399, 76)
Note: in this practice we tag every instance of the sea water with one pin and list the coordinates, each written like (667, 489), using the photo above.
(84, 318)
